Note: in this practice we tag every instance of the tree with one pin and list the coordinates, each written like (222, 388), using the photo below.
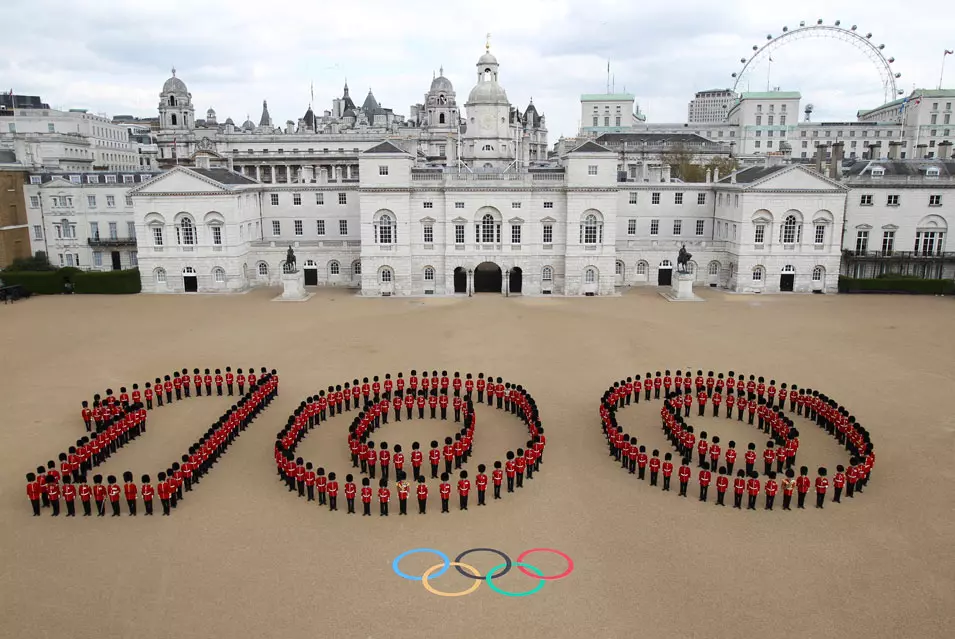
(683, 164)
(37, 262)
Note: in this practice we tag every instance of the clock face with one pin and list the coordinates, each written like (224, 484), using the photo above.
(487, 121)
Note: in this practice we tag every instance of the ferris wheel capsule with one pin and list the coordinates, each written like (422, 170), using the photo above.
(734, 75)
(891, 60)
(819, 21)
(898, 75)
(802, 23)
(854, 27)
(785, 29)
(838, 22)
(881, 46)
(868, 35)
(755, 47)
(769, 36)
(742, 60)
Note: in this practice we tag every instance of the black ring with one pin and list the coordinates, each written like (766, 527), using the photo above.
(507, 561)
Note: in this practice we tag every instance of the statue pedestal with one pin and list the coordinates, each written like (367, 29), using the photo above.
(293, 288)
(681, 289)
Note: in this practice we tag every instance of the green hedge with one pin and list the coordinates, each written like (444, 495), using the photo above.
(54, 282)
(896, 285)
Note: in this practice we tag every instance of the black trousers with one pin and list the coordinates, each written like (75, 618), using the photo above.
(384, 472)
(837, 494)
(159, 399)
(333, 502)
(752, 502)
(480, 397)
(720, 496)
(434, 412)
(115, 506)
(36, 507)
(231, 388)
(371, 469)
(749, 469)
(178, 394)
(510, 484)
(801, 500)
(398, 414)
(683, 486)
(641, 472)
(131, 504)
(87, 508)
(820, 499)
(737, 500)
(448, 463)
(787, 499)
(767, 467)
(366, 509)
(70, 508)
(421, 412)
(729, 411)
(209, 389)
(149, 406)
(422, 506)
(408, 411)
(301, 487)
(520, 480)
(311, 493)
(481, 494)
(666, 483)
(168, 397)
(497, 491)
(321, 496)
(703, 492)
(219, 390)
(769, 501)
(383, 509)
(350, 502)
(464, 502)
(434, 471)
(444, 505)
(148, 505)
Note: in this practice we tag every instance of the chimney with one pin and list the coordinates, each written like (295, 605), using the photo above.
(920, 151)
(820, 157)
(835, 161)
(944, 150)
(202, 161)
(716, 174)
(733, 177)
(709, 176)
(894, 150)
(323, 176)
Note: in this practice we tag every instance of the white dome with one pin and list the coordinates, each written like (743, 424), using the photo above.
(441, 85)
(175, 85)
(488, 92)
(487, 58)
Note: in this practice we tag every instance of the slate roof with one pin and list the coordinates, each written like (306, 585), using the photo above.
(655, 138)
(754, 173)
(591, 147)
(901, 168)
(386, 147)
(7, 156)
(224, 176)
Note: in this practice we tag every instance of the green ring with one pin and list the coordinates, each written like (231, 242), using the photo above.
(490, 581)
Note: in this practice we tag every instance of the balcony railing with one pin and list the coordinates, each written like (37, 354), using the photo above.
(899, 255)
(110, 242)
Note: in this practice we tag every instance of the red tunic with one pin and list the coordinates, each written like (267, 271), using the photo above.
(366, 494)
(464, 487)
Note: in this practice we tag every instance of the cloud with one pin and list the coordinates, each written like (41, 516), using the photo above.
(113, 57)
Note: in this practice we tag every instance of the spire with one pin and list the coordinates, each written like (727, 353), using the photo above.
(487, 43)
(346, 89)
(266, 119)
(173, 71)
(442, 70)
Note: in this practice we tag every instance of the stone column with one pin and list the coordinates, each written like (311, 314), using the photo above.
(273, 170)
(258, 172)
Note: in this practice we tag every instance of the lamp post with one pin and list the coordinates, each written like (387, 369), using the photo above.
(507, 284)
(470, 280)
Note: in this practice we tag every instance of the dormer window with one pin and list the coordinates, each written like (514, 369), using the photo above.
(932, 172)
(878, 171)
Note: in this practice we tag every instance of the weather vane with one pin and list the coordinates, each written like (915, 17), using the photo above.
(487, 43)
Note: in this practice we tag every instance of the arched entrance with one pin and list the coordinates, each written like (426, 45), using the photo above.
(517, 278)
(311, 273)
(460, 280)
(190, 280)
(487, 278)
(787, 279)
(665, 273)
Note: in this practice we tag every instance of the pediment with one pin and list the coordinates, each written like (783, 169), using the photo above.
(864, 227)
(427, 220)
(548, 220)
(795, 178)
(58, 183)
(515, 220)
(179, 180)
(890, 227)
(459, 220)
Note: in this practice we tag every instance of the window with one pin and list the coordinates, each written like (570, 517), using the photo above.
(714, 268)
(343, 227)
(678, 198)
(298, 227)
(91, 201)
(320, 227)
(588, 231)
(218, 274)
(699, 227)
(547, 274)
(515, 234)
(590, 276)
(756, 144)
(758, 274)
(788, 235)
(111, 179)
(160, 276)
(595, 121)
(592, 169)
(515, 205)
(654, 227)
(37, 232)
(110, 201)
(320, 199)
(386, 275)
(35, 179)
(428, 233)
(334, 268)
(459, 205)
(935, 200)
(356, 267)
(274, 197)
(276, 227)
(759, 134)
(928, 242)
(382, 170)
(892, 200)
(459, 234)
(34, 201)
(428, 205)
(343, 198)
(641, 268)
(157, 235)
(654, 198)
(701, 199)
(548, 205)
(97, 258)
(217, 235)
(129, 200)
(113, 233)
(865, 200)
(631, 227)
(69, 259)
(296, 199)
(618, 268)
(633, 197)
(759, 120)
(127, 179)
(878, 172)
(888, 242)
(820, 237)
(769, 121)
(862, 241)
(428, 274)
(677, 227)
(263, 269)
(548, 234)
(759, 234)
(487, 229)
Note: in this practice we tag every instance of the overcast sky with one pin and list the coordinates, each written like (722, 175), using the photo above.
(113, 57)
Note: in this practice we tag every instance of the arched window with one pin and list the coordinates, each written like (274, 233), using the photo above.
(618, 268)
(642, 267)
(172, 100)
(488, 228)
(788, 233)
(440, 118)
(385, 230)
(186, 232)
(356, 267)
(758, 274)
(666, 264)
(818, 273)
(428, 274)
(172, 118)
(386, 275)
(263, 269)
(188, 271)
(714, 268)
(334, 268)
(218, 274)
(547, 274)
(287, 267)
(591, 230)
(159, 275)
(590, 276)
(789, 268)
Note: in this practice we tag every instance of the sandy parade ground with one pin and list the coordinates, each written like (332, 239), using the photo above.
(242, 557)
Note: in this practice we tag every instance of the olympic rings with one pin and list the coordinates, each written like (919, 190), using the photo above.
(444, 558)
(507, 563)
(570, 563)
(471, 572)
(458, 566)
(526, 593)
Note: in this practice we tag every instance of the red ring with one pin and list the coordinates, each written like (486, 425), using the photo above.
(570, 563)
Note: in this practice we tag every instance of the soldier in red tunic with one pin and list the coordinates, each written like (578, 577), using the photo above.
(838, 482)
(130, 491)
(702, 448)
(752, 487)
(667, 469)
(730, 402)
(309, 481)
(750, 458)
(384, 458)
(300, 476)
(480, 483)
(769, 455)
(705, 478)
(445, 490)
(167, 387)
(497, 478)
(822, 485)
(642, 460)
(218, 380)
(654, 467)
(722, 483)
(788, 485)
(802, 486)
(434, 458)
(162, 489)
(112, 491)
(366, 497)
(422, 492)
(321, 484)
(684, 476)
(771, 488)
(332, 489)
(229, 380)
(510, 468)
(739, 486)
(416, 460)
(350, 491)
(147, 491)
(148, 395)
(433, 404)
(372, 458)
(34, 493)
(464, 487)
(176, 385)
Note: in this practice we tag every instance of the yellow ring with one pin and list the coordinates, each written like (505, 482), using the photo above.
(472, 569)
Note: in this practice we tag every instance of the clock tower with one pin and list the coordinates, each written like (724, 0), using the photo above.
(487, 141)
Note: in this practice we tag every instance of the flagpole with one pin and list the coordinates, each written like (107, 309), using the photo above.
(942, 72)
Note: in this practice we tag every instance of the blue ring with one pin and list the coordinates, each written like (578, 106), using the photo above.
(444, 558)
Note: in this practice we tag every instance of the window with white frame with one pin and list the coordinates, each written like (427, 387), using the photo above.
(37, 232)
(320, 227)
(641, 268)
(758, 274)
(591, 230)
(384, 229)
(428, 231)
(547, 274)
(386, 275)
(276, 227)
(160, 276)
(489, 230)
(343, 227)
(320, 199)
(343, 198)
(515, 205)
(382, 169)
(820, 236)
(34, 201)
(186, 232)
(216, 235)
(91, 201)
(218, 274)
(110, 201)
(75, 179)
(299, 228)
(862, 241)
(590, 276)
(127, 179)
(865, 200)
(515, 233)
(714, 268)
(788, 232)
(592, 169)
(274, 199)
(548, 236)
(817, 273)
(654, 227)
(633, 197)
(97, 258)
(428, 274)
(759, 233)
(110, 179)
(113, 231)
(427, 205)
(677, 227)
(618, 268)
(157, 235)
(459, 234)
(129, 200)
(929, 242)
(655, 198)
(678, 198)
(701, 198)
(69, 260)
(36, 179)
(892, 200)
(263, 269)
(935, 200)
(334, 268)
(459, 205)
(631, 226)
(700, 225)
(888, 242)
(356, 267)
(296, 199)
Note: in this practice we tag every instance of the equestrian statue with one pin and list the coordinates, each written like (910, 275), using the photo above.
(290, 259)
(683, 259)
